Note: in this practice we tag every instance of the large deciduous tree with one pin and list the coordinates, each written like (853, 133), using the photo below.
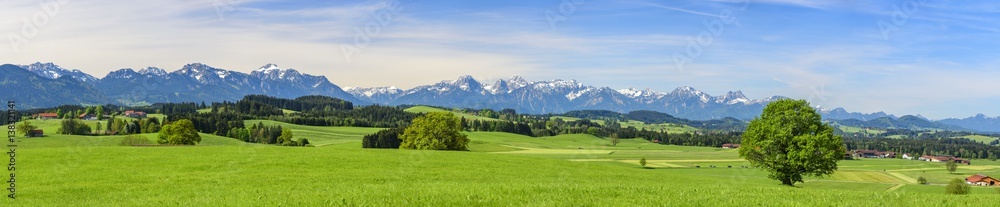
(25, 127)
(181, 132)
(435, 131)
(789, 140)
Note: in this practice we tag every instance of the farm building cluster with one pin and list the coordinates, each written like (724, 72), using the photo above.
(943, 158)
(855, 154)
(871, 154)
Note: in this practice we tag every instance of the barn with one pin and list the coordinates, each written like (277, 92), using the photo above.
(983, 180)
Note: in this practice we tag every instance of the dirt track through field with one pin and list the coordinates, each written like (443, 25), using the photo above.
(893, 188)
(903, 177)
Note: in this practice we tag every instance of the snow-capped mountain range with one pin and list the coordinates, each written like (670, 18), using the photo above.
(198, 82)
(557, 96)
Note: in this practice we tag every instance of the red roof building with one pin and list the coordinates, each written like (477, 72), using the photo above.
(983, 180)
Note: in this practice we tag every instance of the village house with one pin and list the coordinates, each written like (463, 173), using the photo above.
(908, 156)
(982, 180)
(872, 154)
(47, 116)
(135, 114)
(730, 146)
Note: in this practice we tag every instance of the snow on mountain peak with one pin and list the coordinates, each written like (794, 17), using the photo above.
(465, 82)
(577, 94)
(268, 68)
(369, 92)
(53, 71)
(152, 71)
(733, 97)
(636, 93)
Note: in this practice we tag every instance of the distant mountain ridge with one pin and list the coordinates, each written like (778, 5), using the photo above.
(904, 122)
(979, 122)
(559, 96)
(198, 82)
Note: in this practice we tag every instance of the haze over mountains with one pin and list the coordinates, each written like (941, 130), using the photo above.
(47, 84)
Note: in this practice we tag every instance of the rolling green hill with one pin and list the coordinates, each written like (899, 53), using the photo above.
(981, 138)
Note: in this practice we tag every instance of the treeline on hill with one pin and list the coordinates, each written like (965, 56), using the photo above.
(961, 147)
(305, 103)
(367, 116)
(654, 117)
(259, 133)
(386, 138)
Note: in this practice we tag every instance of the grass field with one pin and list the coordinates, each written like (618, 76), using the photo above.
(499, 170)
(981, 138)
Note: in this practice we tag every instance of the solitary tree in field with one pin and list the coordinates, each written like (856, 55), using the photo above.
(922, 180)
(957, 186)
(615, 139)
(181, 132)
(642, 162)
(789, 141)
(435, 131)
(25, 127)
(952, 166)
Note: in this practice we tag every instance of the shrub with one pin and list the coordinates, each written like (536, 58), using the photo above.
(922, 180)
(642, 162)
(133, 140)
(957, 187)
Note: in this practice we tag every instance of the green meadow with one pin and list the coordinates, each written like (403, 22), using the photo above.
(500, 169)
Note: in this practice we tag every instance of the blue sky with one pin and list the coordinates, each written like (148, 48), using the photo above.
(934, 58)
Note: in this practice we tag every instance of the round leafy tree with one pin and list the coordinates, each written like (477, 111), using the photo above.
(435, 131)
(789, 140)
(181, 132)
